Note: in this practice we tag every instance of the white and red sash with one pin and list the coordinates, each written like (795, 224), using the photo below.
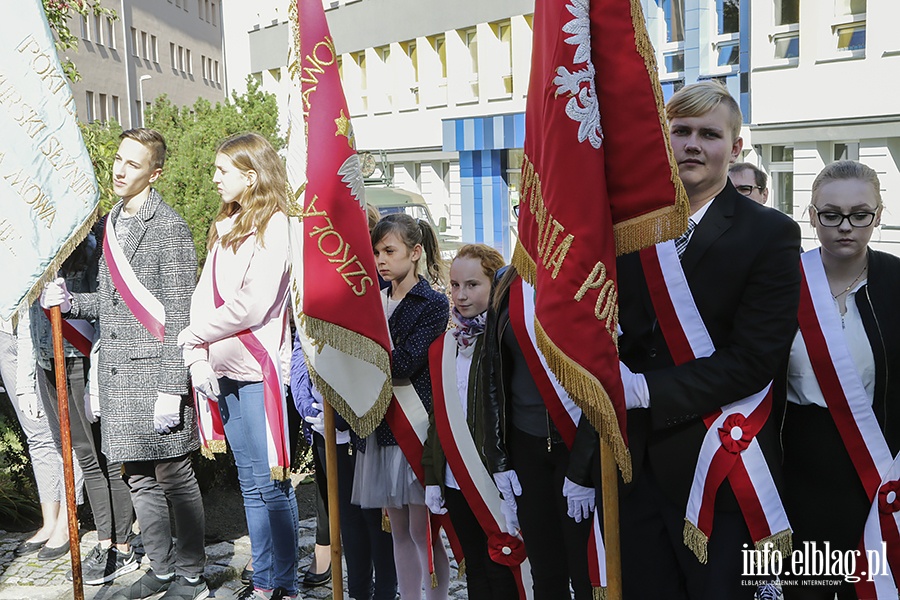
(849, 406)
(730, 448)
(561, 408)
(79, 333)
(274, 401)
(464, 461)
(140, 301)
(408, 420)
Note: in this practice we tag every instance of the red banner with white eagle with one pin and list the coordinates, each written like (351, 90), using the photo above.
(598, 179)
(336, 300)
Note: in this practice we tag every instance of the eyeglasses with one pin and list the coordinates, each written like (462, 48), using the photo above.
(836, 219)
(746, 190)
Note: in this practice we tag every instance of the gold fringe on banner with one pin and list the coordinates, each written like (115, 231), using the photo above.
(585, 389)
(669, 222)
(217, 446)
(280, 473)
(385, 521)
(590, 396)
(695, 540)
(358, 346)
(461, 571)
(434, 581)
(53, 268)
(599, 593)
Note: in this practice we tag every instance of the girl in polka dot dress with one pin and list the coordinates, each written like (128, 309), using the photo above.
(417, 315)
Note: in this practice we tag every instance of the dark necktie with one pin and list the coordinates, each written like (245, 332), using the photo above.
(682, 241)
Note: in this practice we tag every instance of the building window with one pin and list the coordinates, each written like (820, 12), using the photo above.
(470, 40)
(786, 36)
(181, 58)
(213, 13)
(178, 3)
(203, 66)
(787, 12)
(89, 106)
(188, 61)
(206, 9)
(114, 108)
(101, 105)
(781, 168)
(145, 45)
(503, 30)
(216, 70)
(850, 26)
(846, 151)
(851, 37)
(85, 29)
(384, 101)
(138, 113)
(172, 55)
(154, 49)
(673, 48)
(134, 42)
(727, 40)
(110, 33)
(410, 73)
(787, 46)
(98, 29)
(849, 7)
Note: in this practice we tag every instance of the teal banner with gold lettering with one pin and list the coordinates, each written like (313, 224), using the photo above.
(48, 191)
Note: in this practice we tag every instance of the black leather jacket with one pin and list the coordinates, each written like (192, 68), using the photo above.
(498, 401)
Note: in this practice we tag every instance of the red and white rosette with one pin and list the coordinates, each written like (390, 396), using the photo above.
(729, 449)
(850, 407)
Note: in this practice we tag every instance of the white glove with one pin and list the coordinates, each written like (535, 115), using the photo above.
(512, 519)
(434, 500)
(637, 395)
(56, 294)
(509, 486)
(318, 421)
(166, 412)
(91, 405)
(580, 499)
(30, 405)
(204, 379)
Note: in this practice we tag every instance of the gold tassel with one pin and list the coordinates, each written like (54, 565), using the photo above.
(385, 521)
(461, 572)
(217, 446)
(279, 473)
(599, 593)
(589, 394)
(695, 540)
(780, 542)
(434, 581)
(363, 348)
(207, 453)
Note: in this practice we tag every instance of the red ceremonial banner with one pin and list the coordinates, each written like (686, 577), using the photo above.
(336, 297)
(598, 180)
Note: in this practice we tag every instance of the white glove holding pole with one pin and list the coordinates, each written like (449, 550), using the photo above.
(56, 294)
(166, 412)
(204, 380)
(434, 500)
(317, 422)
(512, 519)
(581, 500)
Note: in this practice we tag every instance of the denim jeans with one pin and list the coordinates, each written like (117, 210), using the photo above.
(270, 506)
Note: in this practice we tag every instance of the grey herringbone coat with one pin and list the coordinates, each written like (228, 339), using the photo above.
(134, 365)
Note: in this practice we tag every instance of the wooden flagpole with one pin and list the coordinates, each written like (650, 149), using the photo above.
(62, 396)
(334, 511)
(609, 475)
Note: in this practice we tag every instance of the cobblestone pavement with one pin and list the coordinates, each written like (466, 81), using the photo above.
(27, 578)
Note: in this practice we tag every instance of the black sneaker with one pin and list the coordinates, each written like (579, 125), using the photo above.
(183, 589)
(102, 566)
(145, 587)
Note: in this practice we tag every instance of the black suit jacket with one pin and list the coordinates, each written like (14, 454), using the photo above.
(742, 265)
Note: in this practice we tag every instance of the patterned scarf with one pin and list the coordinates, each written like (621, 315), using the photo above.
(467, 329)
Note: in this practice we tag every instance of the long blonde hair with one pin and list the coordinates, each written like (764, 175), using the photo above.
(266, 196)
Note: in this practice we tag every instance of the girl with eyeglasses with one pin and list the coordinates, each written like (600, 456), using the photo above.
(838, 390)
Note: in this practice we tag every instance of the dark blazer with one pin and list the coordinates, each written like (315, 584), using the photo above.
(742, 265)
(417, 321)
(816, 462)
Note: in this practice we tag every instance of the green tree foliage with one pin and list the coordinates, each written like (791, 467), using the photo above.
(102, 141)
(58, 14)
(192, 134)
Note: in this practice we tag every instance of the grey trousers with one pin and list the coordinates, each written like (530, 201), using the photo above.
(152, 483)
(46, 460)
(106, 489)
